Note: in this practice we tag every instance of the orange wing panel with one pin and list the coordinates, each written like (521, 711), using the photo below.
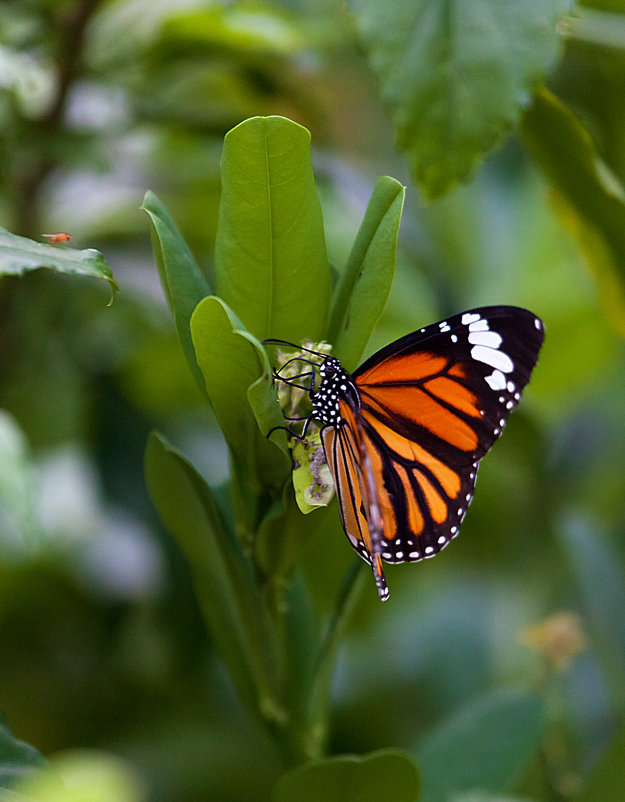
(415, 367)
(420, 408)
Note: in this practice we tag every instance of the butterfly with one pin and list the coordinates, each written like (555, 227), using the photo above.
(404, 434)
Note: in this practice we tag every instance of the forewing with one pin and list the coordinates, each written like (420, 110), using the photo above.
(450, 386)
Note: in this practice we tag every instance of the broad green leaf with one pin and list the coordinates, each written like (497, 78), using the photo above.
(591, 200)
(234, 368)
(83, 776)
(365, 283)
(606, 780)
(486, 745)
(19, 255)
(183, 282)
(456, 75)
(17, 758)
(270, 257)
(386, 774)
(224, 580)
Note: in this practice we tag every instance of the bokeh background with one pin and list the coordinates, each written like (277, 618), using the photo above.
(101, 641)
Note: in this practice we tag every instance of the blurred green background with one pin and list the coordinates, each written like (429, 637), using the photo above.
(101, 642)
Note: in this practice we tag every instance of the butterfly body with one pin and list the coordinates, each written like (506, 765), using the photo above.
(404, 434)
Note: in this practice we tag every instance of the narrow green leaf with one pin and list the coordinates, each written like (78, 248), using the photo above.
(183, 282)
(270, 256)
(606, 781)
(386, 774)
(17, 758)
(591, 199)
(235, 367)
(264, 403)
(486, 745)
(19, 255)
(224, 580)
(456, 75)
(365, 283)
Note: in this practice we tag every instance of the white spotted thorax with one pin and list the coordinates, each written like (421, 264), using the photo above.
(335, 383)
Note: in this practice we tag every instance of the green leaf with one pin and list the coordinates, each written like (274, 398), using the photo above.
(246, 30)
(606, 781)
(224, 580)
(270, 256)
(486, 745)
(82, 776)
(456, 75)
(235, 368)
(263, 400)
(17, 758)
(591, 200)
(20, 527)
(365, 283)
(19, 255)
(386, 774)
(183, 282)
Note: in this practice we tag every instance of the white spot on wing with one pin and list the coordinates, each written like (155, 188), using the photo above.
(479, 325)
(469, 318)
(496, 359)
(496, 381)
(489, 338)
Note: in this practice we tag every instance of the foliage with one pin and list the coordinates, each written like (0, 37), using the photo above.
(162, 644)
(456, 77)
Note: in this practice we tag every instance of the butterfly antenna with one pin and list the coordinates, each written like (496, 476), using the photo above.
(293, 345)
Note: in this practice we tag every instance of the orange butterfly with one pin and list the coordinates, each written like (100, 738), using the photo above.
(404, 434)
(54, 239)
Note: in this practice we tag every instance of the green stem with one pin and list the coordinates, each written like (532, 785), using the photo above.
(324, 668)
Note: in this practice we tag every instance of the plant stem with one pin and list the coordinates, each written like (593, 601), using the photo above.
(324, 669)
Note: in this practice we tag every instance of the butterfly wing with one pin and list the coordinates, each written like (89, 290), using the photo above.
(430, 406)
(451, 386)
